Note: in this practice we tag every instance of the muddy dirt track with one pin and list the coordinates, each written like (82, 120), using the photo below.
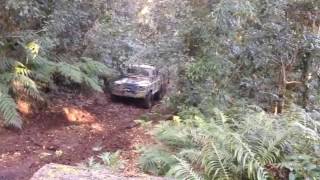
(72, 129)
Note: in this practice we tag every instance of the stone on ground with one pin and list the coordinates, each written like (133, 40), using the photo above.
(63, 172)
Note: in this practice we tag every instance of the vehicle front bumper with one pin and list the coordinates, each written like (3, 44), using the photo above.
(127, 93)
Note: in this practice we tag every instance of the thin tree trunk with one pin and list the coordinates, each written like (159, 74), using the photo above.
(305, 78)
(282, 86)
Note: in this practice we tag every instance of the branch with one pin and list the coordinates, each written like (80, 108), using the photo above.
(293, 82)
(294, 57)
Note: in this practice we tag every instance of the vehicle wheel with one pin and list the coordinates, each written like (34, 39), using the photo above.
(114, 98)
(147, 101)
(160, 93)
(163, 91)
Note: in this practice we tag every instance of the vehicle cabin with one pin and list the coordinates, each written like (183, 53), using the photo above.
(142, 70)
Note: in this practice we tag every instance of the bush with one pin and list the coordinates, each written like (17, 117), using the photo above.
(240, 145)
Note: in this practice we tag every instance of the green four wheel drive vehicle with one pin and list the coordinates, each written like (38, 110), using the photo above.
(142, 82)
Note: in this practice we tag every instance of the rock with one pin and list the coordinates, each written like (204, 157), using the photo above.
(63, 172)
(52, 147)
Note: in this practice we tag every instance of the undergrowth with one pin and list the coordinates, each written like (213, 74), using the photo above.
(241, 143)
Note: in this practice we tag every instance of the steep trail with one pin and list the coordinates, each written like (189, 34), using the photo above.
(71, 130)
(74, 127)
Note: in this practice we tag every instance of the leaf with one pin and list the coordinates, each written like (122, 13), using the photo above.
(9, 112)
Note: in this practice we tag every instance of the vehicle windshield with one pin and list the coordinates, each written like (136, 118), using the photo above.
(137, 72)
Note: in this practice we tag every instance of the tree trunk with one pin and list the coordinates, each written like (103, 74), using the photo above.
(282, 86)
(305, 78)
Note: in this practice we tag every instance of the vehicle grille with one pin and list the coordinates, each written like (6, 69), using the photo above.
(131, 87)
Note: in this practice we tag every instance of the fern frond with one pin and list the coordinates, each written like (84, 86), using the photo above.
(70, 71)
(4, 88)
(309, 133)
(7, 77)
(9, 112)
(156, 161)
(174, 137)
(192, 155)
(111, 159)
(27, 85)
(43, 72)
(93, 68)
(183, 170)
(6, 64)
(21, 69)
(75, 74)
(214, 162)
(92, 83)
(221, 117)
(247, 157)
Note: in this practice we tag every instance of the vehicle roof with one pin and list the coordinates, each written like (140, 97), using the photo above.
(142, 66)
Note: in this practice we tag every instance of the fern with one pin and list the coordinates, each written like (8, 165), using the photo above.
(214, 162)
(93, 83)
(21, 69)
(156, 161)
(222, 147)
(174, 137)
(193, 155)
(4, 88)
(9, 112)
(93, 68)
(43, 71)
(28, 76)
(112, 160)
(75, 74)
(25, 84)
(5, 64)
(184, 170)
(72, 72)
(107, 159)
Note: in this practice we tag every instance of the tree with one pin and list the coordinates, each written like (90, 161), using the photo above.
(257, 46)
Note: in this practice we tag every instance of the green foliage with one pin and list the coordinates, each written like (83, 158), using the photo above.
(111, 159)
(29, 76)
(240, 50)
(241, 145)
(156, 161)
(107, 159)
(9, 111)
(302, 166)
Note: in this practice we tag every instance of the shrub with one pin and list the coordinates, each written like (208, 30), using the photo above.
(240, 145)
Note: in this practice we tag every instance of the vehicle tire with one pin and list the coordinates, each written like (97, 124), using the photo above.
(164, 91)
(160, 93)
(147, 101)
(114, 98)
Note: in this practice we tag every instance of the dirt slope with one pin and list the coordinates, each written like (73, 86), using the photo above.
(70, 131)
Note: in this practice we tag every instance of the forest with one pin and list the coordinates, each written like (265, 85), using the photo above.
(243, 100)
